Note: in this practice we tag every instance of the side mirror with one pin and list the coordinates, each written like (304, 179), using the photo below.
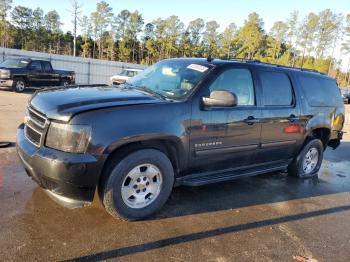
(220, 98)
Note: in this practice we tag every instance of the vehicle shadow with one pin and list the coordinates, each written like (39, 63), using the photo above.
(265, 189)
(41, 212)
(130, 250)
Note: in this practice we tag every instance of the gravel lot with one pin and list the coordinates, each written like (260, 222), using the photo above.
(271, 217)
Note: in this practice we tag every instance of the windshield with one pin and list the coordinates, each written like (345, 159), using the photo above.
(128, 73)
(14, 63)
(173, 79)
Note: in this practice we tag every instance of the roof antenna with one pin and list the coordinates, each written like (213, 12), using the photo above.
(209, 59)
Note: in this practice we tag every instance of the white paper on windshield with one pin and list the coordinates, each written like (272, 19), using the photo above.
(198, 68)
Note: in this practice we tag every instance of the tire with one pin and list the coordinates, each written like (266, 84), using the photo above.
(118, 180)
(299, 169)
(65, 82)
(19, 85)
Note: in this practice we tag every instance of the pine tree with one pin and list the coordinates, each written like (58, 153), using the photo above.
(250, 37)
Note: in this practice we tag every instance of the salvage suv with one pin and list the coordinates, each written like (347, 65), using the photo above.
(180, 122)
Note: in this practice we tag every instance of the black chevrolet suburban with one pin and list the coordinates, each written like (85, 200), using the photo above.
(20, 73)
(180, 122)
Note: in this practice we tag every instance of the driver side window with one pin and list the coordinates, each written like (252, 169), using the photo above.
(35, 65)
(238, 81)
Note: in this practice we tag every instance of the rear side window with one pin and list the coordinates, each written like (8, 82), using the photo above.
(320, 91)
(277, 89)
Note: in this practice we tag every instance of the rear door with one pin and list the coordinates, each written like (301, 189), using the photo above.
(282, 127)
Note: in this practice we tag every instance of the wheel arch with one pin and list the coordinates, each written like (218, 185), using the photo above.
(321, 132)
(169, 145)
(24, 77)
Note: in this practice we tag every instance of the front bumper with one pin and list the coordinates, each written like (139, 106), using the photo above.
(70, 179)
(6, 82)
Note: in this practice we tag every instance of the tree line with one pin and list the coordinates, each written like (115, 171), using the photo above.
(308, 42)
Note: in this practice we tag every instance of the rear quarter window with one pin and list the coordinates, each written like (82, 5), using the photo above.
(320, 91)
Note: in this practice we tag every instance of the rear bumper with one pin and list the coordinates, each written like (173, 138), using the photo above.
(70, 179)
(6, 82)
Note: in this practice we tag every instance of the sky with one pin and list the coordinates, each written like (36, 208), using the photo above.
(222, 11)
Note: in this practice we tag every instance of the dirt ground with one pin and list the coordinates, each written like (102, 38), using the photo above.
(271, 217)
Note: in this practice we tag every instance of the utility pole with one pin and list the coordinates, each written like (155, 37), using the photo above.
(76, 12)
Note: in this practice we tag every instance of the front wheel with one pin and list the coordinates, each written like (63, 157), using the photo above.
(308, 162)
(138, 185)
(19, 85)
(65, 82)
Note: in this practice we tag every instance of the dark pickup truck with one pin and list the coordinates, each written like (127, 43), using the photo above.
(179, 122)
(23, 72)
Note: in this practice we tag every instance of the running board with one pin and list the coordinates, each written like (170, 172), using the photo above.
(205, 178)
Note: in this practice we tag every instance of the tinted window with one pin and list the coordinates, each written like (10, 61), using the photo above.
(47, 66)
(320, 91)
(277, 89)
(238, 81)
(35, 65)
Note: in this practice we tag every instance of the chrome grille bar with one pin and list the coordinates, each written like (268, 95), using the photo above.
(35, 127)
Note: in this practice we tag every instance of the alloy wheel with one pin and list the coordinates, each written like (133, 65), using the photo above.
(310, 160)
(141, 186)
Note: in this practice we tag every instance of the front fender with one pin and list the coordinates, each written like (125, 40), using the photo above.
(113, 128)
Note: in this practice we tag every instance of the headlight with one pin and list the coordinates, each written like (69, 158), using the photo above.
(4, 73)
(68, 138)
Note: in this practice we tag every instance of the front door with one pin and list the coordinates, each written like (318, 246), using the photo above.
(226, 137)
(35, 74)
(282, 128)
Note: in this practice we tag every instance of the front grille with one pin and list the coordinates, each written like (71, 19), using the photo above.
(37, 118)
(35, 126)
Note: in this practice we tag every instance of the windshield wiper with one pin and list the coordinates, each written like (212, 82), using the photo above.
(146, 89)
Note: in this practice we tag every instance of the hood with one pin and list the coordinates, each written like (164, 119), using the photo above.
(62, 103)
(13, 69)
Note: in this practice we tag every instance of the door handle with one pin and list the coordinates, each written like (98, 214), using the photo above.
(293, 118)
(251, 120)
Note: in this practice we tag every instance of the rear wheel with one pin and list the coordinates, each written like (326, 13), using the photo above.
(19, 85)
(138, 185)
(308, 162)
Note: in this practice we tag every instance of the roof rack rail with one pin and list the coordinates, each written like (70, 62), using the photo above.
(242, 60)
(271, 64)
